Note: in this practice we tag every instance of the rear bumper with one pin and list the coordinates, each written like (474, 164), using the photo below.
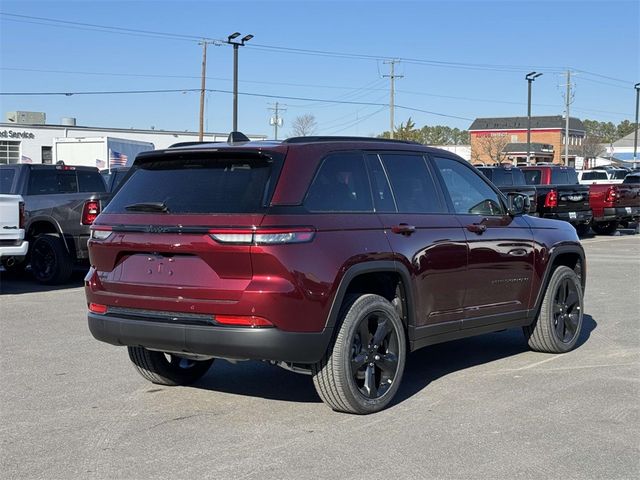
(574, 218)
(224, 342)
(619, 214)
(14, 250)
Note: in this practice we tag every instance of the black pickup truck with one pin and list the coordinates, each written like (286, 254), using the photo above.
(560, 196)
(60, 202)
(511, 180)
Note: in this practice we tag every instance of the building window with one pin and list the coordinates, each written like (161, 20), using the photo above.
(9, 152)
(47, 155)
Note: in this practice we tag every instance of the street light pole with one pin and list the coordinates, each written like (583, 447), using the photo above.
(230, 41)
(635, 135)
(530, 77)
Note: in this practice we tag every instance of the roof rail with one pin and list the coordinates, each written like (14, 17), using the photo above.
(314, 139)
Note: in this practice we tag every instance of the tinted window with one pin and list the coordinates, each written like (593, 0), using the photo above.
(51, 181)
(341, 185)
(382, 197)
(6, 179)
(631, 179)
(469, 192)
(487, 172)
(412, 183)
(619, 174)
(564, 176)
(197, 185)
(532, 177)
(89, 181)
(594, 176)
(118, 176)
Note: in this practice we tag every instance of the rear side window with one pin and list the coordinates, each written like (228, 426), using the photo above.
(52, 181)
(90, 181)
(469, 192)
(341, 185)
(198, 184)
(412, 184)
(6, 179)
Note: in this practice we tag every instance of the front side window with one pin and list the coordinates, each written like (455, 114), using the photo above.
(341, 185)
(469, 192)
(412, 183)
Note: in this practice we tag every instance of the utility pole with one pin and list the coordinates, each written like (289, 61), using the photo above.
(203, 87)
(530, 77)
(635, 135)
(392, 77)
(276, 120)
(566, 130)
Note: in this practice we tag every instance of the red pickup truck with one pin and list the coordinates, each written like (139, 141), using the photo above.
(613, 205)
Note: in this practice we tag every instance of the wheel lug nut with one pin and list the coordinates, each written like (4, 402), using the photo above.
(371, 364)
(377, 357)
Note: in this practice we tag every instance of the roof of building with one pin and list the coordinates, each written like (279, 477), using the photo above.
(626, 141)
(507, 123)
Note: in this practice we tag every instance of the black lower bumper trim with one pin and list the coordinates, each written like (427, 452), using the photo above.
(225, 342)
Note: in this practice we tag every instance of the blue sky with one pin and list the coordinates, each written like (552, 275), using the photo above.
(486, 47)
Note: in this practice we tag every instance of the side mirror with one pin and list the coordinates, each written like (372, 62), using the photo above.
(518, 204)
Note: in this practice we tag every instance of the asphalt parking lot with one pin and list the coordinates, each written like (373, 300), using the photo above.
(486, 407)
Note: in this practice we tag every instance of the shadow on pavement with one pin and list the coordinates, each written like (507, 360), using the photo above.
(15, 284)
(259, 379)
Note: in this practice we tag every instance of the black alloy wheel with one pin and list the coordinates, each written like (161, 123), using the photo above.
(374, 355)
(566, 311)
(50, 261)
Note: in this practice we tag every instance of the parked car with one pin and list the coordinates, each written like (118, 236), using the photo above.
(334, 257)
(614, 205)
(560, 196)
(12, 242)
(510, 180)
(632, 178)
(113, 177)
(61, 202)
(617, 175)
(588, 177)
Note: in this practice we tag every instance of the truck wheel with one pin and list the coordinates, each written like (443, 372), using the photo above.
(605, 228)
(557, 328)
(582, 229)
(363, 366)
(167, 369)
(51, 264)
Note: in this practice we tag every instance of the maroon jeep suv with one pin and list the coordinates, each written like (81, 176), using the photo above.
(331, 256)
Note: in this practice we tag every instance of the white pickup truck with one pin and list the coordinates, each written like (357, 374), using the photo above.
(12, 242)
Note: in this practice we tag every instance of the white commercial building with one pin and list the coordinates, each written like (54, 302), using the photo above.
(30, 143)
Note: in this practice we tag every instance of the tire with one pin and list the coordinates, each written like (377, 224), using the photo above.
(605, 228)
(379, 359)
(167, 369)
(557, 328)
(582, 229)
(51, 264)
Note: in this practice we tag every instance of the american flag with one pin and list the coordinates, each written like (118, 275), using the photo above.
(25, 159)
(117, 159)
(100, 163)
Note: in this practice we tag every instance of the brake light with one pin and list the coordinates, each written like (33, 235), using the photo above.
(21, 215)
(551, 199)
(97, 308)
(90, 211)
(100, 232)
(263, 236)
(611, 195)
(243, 321)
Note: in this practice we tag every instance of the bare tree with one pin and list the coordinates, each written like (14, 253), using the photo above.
(490, 149)
(304, 125)
(592, 147)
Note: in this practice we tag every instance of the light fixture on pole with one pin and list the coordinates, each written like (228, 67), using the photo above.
(530, 77)
(236, 44)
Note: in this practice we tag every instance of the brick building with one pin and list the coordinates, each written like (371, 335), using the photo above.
(505, 139)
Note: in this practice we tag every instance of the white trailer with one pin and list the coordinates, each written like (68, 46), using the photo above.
(102, 152)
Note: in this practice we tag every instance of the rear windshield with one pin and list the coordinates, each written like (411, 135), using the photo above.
(594, 176)
(631, 179)
(197, 185)
(563, 176)
(532, 177)
(504, 177)
(6, 179)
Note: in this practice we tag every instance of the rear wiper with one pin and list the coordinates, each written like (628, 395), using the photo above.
(148, 207)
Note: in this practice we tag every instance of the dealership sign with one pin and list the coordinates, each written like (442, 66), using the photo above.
(14, 134)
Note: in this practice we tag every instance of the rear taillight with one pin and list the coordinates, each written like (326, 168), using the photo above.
(263, 236)
(243, 321)
(90, 211)
(611, 195)
(21, 215)
(551, 200)
(100, 232)
(97, 308)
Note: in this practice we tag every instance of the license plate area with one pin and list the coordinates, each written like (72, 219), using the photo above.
(572, 215)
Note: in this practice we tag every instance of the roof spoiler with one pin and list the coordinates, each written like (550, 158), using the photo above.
(237, 137)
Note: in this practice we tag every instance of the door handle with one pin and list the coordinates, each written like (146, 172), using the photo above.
(403, 229)
(478, 228)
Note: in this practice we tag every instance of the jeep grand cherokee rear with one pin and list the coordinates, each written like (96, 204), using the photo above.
(334, 257)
